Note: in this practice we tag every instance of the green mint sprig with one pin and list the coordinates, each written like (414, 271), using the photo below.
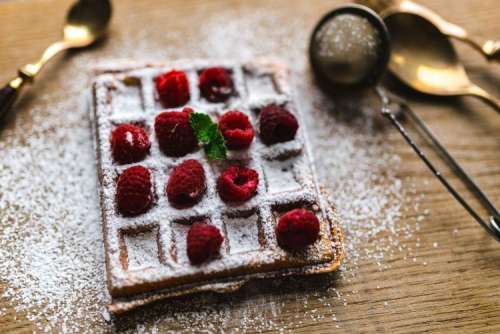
(208, 133)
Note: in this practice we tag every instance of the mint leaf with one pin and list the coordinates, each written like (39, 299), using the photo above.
(215, 151)
(208, 133)
(202, 126)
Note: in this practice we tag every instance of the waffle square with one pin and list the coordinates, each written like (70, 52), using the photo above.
(146, 256)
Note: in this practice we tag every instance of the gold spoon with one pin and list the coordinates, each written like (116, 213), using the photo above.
(489, 49)
(424, 59)
(86, 23)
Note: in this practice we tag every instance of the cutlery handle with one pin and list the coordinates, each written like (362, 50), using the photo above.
(492, 50)
(8, 95)
(485, 96)
(492, 225)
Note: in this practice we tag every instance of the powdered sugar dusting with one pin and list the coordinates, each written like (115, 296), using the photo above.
(241, 232)
(50, 241)
(142, 250)
(49, 247)
(129, 137)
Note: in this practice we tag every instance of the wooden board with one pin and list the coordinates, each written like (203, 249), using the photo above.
(452, 287)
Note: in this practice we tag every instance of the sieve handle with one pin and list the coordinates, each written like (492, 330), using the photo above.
(493, 227)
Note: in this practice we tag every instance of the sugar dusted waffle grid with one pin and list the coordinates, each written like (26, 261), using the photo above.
(146, 255)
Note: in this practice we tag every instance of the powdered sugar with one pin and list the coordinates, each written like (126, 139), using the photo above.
(280, 176)
(241, 232)
(142, 250)
(129, 137)
(50, 244)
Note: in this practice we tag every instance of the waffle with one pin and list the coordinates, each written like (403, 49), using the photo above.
(146, 255)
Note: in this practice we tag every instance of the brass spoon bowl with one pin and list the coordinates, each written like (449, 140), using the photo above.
(86, 22)
(424, 59)
(490, 49)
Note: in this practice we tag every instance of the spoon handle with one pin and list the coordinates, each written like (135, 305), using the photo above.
(8, 95)
(489, 49)
(492, 50)
(485, 96)
(493, 227)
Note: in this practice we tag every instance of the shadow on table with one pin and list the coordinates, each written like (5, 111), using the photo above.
(358, 108)
(287, 289)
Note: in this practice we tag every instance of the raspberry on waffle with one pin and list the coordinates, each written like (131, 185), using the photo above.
(146, 254)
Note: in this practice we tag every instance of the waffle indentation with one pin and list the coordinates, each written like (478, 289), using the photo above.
(281, 175)
(140, 249)
(243, 232)
(127, 98)
(260, 85)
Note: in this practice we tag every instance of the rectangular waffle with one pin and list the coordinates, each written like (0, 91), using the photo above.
(146, 255)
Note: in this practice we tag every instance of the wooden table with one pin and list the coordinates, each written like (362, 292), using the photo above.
(454, 291)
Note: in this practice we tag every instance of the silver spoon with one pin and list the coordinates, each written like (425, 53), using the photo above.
(350, 49)
(86, 23)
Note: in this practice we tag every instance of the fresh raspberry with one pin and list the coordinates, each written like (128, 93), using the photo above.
(186, 185)
(175, 135)
(215, 84)
(297, 229)
(173, 89)
(237, 184)
(277, 125)
(203, 242)
(129, 143)
(236, 129)
(134, 191)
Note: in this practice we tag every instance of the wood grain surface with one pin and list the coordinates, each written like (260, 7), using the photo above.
(456, 290)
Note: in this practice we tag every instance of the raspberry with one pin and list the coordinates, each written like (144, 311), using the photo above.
(175, 135)
(215, 84)
(237, 184)
(134, 191)
(203, 242)
(186, 185)
(173, 89)
(236, 129)
(129, 143)
(277, 125)
(297, 229)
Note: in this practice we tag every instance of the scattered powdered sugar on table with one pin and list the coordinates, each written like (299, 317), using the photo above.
(50, 248)
(360, 171)
(50, 236)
